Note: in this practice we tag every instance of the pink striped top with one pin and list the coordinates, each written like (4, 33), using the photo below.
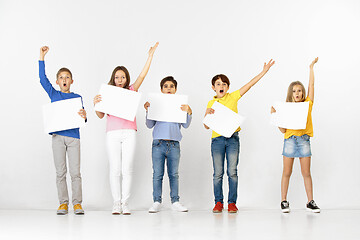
(116, 123)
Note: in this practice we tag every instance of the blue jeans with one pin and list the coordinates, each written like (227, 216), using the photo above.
(161, 150)
(229, 147)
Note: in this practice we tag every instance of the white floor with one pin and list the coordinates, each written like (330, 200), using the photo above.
(246, 224)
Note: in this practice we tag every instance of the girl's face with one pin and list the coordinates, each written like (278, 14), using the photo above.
(120, 78)
(64, 81)
(220, 88)
(297, 93)
(168, 88)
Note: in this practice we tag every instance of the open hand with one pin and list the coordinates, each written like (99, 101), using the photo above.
(82, 113)
(273, 109)
(313, 62)
(268, 65)
(186, 108)
(209, 111)
(146, 105)
(152, 49)
(97, 99)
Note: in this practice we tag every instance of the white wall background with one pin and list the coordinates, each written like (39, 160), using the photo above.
(198, 39)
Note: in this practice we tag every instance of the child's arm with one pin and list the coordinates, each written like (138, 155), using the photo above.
(149, 123)
(97, 99)
(283, 130)
(145, 70)
(186, 108)
(45, 83)
(311, 80)
(208, 111)
(253, 81)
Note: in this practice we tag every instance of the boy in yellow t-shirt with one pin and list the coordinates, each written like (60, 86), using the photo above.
(230, 147)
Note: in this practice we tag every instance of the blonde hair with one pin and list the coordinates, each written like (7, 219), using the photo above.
(289, 97)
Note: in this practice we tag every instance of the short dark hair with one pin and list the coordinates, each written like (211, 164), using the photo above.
(168, 78)
(63, 70)
(222, 77)
(122, 68)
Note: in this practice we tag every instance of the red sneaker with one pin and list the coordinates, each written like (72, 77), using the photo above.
(232, 208)
(218, 207)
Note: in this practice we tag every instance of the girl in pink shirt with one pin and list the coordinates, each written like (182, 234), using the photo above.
(121, 139)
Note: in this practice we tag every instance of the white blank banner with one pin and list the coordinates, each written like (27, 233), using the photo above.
(62, 115)
(224, 121)
(167, 107)
(118, 102)
(290, 115)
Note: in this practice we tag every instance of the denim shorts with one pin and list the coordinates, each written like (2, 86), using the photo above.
(296, 146)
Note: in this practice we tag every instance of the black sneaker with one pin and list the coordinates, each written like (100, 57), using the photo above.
(285, 206)
(311, 206)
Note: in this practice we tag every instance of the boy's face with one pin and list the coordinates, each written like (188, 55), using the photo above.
(220, 88)
(297, 93)
(120, 78)
(168, 88)
(64, 81)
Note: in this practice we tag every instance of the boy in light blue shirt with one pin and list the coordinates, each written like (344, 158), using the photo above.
(166, 138)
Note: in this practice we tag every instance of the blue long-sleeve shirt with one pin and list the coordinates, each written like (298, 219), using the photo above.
(56, 95)
(167, 130)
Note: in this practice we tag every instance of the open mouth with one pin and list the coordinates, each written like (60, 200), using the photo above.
(221, 91)
(64, 84)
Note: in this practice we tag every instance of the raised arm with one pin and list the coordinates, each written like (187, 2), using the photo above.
(145, 70)
(253, 81)
(311, 80)
(45, 83)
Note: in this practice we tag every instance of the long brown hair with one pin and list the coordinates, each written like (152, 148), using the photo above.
(289, 97)
(127, 75)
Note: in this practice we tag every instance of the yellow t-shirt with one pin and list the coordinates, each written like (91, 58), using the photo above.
(230, 100)
(309, 127)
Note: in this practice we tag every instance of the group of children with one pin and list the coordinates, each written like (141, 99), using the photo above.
(121, 142)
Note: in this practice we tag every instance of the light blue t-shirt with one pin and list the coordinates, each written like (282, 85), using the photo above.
(167, 130)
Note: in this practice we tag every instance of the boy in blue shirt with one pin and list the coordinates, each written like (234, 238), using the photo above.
(65, 141)
(166, 145)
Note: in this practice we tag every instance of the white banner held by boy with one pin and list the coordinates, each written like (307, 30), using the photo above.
(62, 115)
(118, 102)
(167, 107)
(224, 121)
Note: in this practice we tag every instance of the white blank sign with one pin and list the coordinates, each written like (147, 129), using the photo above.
(224, 121)
(166, 107)
(62, 115)
(290, 115)
(118, 102)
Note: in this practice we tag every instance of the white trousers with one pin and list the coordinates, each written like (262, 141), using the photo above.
(120, 148)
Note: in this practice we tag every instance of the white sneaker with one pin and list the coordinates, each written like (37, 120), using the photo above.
(116, 208)
(176, 206)
(155, 207)
(125, 209)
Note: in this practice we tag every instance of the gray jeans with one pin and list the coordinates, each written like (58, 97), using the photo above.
(61, 145)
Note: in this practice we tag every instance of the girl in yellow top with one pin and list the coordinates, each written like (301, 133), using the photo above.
(297, 144)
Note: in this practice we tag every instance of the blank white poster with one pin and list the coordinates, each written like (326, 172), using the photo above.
(118, 102)
(224, 121)
(167, 107)
(290, 115)
(62, 115)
